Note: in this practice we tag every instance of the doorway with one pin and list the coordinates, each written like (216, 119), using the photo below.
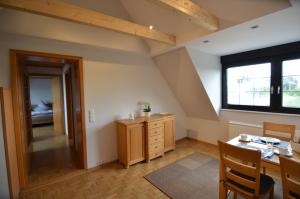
(49, 115)
(52, 153)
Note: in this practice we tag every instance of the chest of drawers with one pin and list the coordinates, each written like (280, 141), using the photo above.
(155, 139)
(145, 138)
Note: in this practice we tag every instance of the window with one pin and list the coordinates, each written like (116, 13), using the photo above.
(263, 80)
(291, 83)
(249, 85)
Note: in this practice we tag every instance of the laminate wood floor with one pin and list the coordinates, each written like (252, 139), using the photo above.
(51, 155)
(113, 181)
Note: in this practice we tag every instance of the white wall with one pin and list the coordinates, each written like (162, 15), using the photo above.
(40, 90)
(4, 190)
(113, 91)
(208, 130)
(195, 79)
(114, 82)
(258, 117)
(209, 70)
(211, 131)
(182, 77)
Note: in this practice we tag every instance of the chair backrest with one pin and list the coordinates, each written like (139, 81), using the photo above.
(287, 129)
(240, 166)
(290, 174)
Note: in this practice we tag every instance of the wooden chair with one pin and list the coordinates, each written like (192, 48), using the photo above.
(280, 128)
(290, 174)
(240, 172)
(285, 129)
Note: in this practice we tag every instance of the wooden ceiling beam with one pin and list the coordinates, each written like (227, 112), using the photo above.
(196, 13)
(61, 10)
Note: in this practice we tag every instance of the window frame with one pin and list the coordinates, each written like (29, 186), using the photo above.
(275, 56)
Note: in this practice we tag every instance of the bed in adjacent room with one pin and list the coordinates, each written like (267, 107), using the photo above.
(42, 114)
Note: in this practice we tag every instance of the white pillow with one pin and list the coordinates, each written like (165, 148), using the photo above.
(41, 107)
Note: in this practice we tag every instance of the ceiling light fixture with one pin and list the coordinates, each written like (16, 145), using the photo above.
(150, 27)
(254, 27)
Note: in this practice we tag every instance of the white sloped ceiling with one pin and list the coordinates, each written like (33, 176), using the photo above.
(183, 79)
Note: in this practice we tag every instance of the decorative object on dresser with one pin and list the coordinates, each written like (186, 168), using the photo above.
(147, 111)
(145, 138)
(145, 108)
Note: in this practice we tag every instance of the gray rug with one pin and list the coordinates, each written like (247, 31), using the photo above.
(194, 176)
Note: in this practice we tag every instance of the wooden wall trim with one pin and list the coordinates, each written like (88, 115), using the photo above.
(58, 104)
(46, 54)
(17, 118)
(10, 142)
(81, 90)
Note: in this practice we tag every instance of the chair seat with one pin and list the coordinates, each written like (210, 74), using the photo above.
(266, 182)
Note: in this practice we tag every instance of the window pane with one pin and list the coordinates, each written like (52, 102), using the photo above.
(249, 85)
(291, 83)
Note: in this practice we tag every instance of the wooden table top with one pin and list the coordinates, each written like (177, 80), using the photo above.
(253, 145)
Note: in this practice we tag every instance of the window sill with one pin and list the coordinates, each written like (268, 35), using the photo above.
(261, 112)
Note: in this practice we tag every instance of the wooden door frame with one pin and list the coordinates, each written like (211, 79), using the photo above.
(69, 104)
(9, 142)
(18, 106)
(61, 108)
(27, 112)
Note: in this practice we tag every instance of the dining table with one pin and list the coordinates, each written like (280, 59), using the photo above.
(270, 153)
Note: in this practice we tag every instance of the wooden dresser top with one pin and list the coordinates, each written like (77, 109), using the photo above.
(137, 120)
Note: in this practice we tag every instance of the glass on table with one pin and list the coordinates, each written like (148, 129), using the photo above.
(270, 146)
